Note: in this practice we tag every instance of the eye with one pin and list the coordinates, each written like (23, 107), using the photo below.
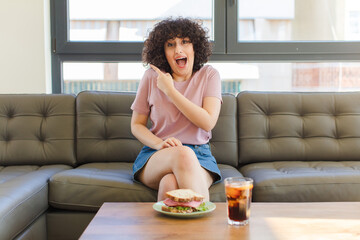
(185, 41)
(169, 44)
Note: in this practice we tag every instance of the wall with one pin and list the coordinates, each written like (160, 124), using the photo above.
(25, 57)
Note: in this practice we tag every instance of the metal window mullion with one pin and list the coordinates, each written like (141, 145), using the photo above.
(281, 50)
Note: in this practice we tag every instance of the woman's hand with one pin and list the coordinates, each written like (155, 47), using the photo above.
(204, 116)
(169, 142)
(164, 81)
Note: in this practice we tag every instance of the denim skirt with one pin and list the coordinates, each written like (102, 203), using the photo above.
(202, 152)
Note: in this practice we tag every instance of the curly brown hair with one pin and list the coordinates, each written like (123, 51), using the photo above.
(154, 53)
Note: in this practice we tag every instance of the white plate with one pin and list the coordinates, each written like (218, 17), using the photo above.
(211, 207)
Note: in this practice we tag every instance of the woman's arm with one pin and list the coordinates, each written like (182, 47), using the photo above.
(144, 135)
(204, 117)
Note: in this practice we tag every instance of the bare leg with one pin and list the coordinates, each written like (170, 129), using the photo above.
(180, 161)
(167, 183)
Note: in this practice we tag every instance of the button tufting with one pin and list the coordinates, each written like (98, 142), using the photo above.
(10, 114)
(6, 138)
(44, 112)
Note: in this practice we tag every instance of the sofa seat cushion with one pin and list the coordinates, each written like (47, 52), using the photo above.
(90, 185)
(23, 196)
(300, 181)
(217, 191)
(87, 187)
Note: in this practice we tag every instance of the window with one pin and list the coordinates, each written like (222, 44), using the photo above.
(125, 76)
(112, 27)
(275, 45)
(305, 29)
(304, 77)
(298, 20)
(112, 20)
(79, 76)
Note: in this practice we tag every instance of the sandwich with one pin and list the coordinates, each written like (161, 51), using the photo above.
(183, 201)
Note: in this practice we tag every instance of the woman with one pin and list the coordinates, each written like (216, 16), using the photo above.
(183, 99)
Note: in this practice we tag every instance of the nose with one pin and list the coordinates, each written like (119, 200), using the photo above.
(178, 48)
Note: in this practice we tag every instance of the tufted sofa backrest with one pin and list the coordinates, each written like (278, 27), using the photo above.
(104, 133)
(37, 129)
(103, 127)
(298, 126)
(224, 145)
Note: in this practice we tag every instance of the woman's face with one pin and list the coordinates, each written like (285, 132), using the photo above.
(179, 53)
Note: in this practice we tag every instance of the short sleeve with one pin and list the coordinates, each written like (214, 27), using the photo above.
(141, 103)
(213, 87)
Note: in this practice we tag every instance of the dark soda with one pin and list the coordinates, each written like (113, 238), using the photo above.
(238, 200)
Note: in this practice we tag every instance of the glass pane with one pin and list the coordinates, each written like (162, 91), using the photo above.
(80, 76)
(235, 77)
(298, 20)
(101, 76)
(304, 77)
(116, 20)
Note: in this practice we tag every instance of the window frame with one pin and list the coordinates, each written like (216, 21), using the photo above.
(64, 45)
(334, 50)
(226, 46)
(107, 51)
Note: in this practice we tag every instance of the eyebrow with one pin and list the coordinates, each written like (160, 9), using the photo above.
(173, 39)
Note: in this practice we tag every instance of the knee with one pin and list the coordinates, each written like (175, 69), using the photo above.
(185, 159)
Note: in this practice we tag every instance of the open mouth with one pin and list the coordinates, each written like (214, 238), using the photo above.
(181, 62)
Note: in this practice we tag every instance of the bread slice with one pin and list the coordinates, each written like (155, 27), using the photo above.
(184, 195)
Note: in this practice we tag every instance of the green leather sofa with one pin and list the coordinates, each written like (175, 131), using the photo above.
(62, 156)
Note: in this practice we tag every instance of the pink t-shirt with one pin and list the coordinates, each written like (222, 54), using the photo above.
(167, 120)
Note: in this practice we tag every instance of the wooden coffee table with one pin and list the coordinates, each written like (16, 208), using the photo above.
(267, 221)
